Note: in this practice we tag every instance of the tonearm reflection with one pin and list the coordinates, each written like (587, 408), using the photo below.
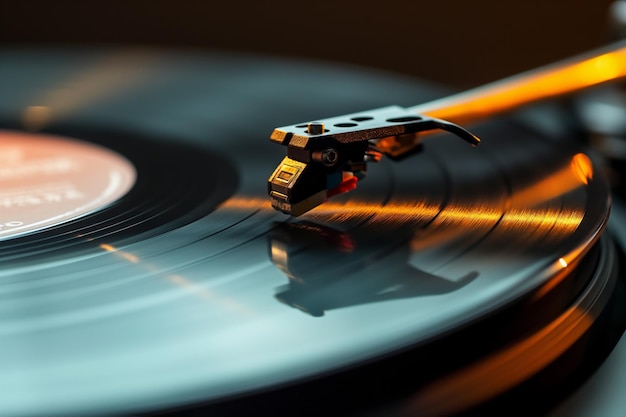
(328, 157)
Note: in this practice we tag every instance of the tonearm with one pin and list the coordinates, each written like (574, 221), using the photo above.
(328, 157)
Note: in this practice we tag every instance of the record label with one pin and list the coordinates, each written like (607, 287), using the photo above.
(48, 180)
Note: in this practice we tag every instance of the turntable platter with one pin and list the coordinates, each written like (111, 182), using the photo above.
(191, 288)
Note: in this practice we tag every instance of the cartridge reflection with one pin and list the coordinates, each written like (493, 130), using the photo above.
(329, 269)
(362, 252)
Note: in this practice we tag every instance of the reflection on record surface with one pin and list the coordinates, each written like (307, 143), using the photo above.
(337, 272)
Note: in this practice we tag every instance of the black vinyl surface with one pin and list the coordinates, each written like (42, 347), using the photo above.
(191, 289)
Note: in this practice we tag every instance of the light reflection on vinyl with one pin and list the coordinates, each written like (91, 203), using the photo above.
(190, 288)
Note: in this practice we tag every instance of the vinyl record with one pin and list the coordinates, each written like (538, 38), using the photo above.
(187, 289)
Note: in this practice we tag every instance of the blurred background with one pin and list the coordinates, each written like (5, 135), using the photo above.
(454, 42)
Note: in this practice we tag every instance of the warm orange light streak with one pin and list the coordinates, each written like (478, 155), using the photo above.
(582, 166)
(576, 174)
(557, 274)
(179, 280)
(562, 269)
(557, 221)
(502, 370)
(548, 82)
(520, 213)
(108, 248)
(125, 255)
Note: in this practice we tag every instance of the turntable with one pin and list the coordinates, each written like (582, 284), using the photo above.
(145, 271)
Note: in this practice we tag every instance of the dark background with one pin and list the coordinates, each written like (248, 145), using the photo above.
(459, 43)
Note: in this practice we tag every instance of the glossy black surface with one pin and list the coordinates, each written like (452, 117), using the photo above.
(183, 291)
